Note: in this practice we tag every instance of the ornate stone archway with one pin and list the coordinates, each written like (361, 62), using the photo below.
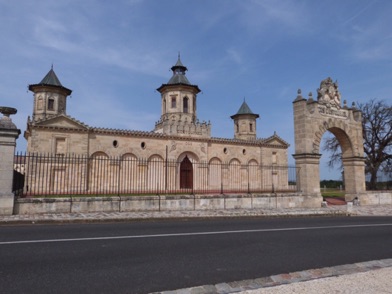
(312, 118)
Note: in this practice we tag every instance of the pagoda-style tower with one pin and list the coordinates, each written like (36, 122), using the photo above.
(245, 123)
(50, 97)
(179, 100)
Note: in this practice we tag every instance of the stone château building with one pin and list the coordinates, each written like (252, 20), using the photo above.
(178, 137)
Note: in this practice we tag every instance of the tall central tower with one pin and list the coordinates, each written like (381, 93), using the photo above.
(179, 101)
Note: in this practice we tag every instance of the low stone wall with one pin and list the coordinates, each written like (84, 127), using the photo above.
(376, 198)
(162, 203)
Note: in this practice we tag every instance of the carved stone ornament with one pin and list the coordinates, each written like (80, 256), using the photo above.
(173, 146)
(202, 148)
(328, 93)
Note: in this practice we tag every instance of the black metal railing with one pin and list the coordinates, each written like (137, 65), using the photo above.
(49, 174)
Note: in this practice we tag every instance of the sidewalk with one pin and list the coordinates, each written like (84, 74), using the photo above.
(372, 281)
(363, 277)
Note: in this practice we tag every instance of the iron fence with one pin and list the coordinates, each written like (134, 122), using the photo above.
(49, 174)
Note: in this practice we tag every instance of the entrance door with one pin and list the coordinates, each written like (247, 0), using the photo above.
(186, 174)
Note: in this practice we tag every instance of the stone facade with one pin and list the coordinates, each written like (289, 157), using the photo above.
(177, 135)
(312, 118)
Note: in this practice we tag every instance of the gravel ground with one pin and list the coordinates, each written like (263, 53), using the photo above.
(374, 281)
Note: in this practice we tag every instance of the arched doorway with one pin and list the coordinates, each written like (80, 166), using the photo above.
(312, 118)
(186, 174)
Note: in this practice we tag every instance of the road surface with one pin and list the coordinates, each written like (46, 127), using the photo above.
(143, 257)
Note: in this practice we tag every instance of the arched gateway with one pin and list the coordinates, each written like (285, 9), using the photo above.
(312, 118)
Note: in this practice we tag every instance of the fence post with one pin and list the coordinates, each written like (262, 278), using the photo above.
(8, 135)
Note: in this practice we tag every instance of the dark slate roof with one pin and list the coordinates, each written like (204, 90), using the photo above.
(179, 77)
(50, 79)
(244, 109)
(179, 73)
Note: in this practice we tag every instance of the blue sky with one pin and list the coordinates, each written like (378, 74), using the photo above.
(115, 54)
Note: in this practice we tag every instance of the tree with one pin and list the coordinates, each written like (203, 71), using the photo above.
(377, 137)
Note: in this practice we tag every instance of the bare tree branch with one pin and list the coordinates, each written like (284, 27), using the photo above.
(377, 135)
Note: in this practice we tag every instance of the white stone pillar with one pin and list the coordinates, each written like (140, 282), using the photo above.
(8, 135)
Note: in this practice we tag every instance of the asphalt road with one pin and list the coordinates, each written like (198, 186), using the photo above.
(143, 257)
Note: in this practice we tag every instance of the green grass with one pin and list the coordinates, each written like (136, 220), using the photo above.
(332, 193)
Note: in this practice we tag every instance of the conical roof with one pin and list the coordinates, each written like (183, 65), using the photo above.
(244, 109)
(179, 73)
(50, 80)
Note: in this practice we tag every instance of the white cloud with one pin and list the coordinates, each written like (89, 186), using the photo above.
(359, 12)
(234, 55)
(276, 17)
(367, 34)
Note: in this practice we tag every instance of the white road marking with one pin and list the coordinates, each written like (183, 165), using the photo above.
(190, 234)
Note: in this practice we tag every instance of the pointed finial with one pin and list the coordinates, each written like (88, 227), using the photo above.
(310, 98)
(179, 55)
(52, 66)
(244, 98)
(299, 96)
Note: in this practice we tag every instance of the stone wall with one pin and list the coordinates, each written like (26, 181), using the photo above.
(376, 198)
(162, 203)
(181, 202)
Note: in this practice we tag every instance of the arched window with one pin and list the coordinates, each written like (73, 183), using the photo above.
(251, 127)
(50, 104)
(173, 102)
(185, 103)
